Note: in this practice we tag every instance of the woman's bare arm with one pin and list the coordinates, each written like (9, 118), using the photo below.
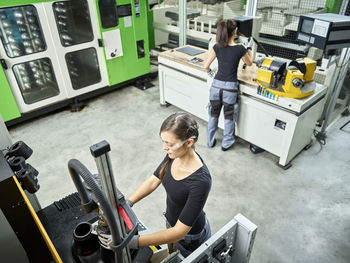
(247, 58)
(145, 189)
(211, 57)
(170, 235)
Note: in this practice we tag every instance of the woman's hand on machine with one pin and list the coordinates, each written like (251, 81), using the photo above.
(130, 203)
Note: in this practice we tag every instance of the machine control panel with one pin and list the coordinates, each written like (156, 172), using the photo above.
(325, 31)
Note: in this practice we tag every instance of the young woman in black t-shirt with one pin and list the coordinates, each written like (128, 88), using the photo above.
(187, 182)
(225, 87)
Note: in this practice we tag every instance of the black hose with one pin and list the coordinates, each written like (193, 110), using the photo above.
(77, 170)
(85, 199)
(259, 44)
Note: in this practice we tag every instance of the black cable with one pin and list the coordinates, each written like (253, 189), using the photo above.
(320, 137)
(259, 45)
(341, 128)
(312, 144)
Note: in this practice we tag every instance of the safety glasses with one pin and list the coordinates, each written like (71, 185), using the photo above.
(175, 146)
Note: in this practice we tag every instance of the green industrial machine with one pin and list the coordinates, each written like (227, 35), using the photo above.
(54, 53)
(8, 106)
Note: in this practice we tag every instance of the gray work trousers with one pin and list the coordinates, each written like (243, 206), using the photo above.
(223, 93)
(189, 240)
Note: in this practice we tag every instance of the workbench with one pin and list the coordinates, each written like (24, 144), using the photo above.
(282, 127)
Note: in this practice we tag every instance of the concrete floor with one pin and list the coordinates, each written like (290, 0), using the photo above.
(302, 214)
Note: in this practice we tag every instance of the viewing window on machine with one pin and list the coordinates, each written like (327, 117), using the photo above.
(108, 13)
(73, 22)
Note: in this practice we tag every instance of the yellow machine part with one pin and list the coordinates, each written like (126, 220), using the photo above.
(310, 69)
(265, 75)
(267, 62)
(41, 228)
(290, 91)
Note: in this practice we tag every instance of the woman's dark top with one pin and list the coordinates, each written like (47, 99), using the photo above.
(228, 59)
(186, 198)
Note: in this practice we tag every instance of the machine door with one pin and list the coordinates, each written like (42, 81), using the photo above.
(75, 30)
(28, 57)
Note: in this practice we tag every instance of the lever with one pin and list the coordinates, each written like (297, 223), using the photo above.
(3, 64)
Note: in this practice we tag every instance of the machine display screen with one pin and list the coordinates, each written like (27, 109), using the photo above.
(306, 26)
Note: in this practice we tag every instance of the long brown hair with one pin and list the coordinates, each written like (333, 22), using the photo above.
(184, 126)
(224, 31)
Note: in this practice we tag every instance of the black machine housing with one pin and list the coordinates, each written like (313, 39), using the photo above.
(324, 31)
(244, 25)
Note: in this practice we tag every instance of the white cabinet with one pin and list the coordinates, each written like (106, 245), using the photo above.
(184, 91)
(278, 131)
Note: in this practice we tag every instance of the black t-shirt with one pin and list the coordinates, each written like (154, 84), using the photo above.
(186, 198)
(228, 60)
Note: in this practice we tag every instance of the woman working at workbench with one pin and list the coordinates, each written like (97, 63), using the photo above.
(225, 86)
(187, 183)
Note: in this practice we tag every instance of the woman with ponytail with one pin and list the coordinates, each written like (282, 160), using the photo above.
(225, 87)
(187, 183)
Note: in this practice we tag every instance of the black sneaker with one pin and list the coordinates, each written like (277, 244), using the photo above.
(225, 149)
(213, 144)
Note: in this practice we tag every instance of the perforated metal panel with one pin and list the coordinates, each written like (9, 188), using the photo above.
(280, 22)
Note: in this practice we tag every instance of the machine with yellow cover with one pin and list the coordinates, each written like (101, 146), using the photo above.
(295, 81)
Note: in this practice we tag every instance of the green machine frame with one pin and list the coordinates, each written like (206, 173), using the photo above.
(136, 40)
(8, 105)
(129, 66)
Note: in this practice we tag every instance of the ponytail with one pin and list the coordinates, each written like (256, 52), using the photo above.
(224, 31)
(163, 169)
